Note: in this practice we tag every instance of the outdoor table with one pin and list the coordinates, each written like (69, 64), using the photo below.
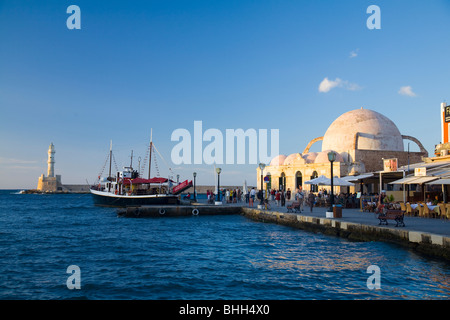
(431, 207)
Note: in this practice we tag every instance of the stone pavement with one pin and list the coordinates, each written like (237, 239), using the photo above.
(428, 225)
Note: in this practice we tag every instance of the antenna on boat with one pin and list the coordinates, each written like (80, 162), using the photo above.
(150, 157)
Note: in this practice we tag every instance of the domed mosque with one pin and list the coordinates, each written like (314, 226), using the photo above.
(359, 138)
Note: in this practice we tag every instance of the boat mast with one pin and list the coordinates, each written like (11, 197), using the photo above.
(131, 164)
(150, 157)
(110, 161)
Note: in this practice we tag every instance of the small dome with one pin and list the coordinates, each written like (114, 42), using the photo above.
(322, 157)
(295, 158)
(310, 157)
(278, 160)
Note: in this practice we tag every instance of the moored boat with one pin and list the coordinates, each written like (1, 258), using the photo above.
(127, 188)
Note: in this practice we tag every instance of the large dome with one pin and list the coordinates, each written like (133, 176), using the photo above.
(376, 132)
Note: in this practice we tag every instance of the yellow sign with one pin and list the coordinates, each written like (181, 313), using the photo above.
(420, 172)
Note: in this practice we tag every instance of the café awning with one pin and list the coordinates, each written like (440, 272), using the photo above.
(358, 177)
(440, 181)
(414, 180)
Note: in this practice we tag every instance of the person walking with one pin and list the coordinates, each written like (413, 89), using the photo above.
(283, 198)
(301, 197)
(278, 198)
(252, 196)
(311, 200)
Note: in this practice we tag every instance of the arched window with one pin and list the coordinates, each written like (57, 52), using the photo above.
(282, 182)
(298, 179)
(314, 187)
(269, 184)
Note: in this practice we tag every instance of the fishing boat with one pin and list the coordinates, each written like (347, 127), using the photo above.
(126, 188)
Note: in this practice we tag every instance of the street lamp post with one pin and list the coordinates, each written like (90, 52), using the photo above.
(218, 170)
(331, 158)
(261, 167)
(195, 195)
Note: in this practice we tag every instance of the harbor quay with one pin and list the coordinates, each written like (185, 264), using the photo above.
(427, 236)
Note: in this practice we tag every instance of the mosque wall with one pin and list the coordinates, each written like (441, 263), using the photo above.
(290, 175)
(373, 159)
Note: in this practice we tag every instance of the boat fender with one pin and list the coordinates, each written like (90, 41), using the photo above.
(162, 211)
(195, 212)
(115, 192)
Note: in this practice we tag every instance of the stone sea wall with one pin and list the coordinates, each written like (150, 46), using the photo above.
(425, 243)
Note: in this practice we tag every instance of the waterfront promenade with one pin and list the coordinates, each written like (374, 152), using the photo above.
(429, 225)
(356, 216)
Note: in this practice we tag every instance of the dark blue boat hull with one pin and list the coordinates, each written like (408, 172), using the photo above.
(111, 201)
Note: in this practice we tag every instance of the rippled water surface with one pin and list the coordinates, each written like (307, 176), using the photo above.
(198, 257)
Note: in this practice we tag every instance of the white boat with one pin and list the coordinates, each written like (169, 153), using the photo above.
(127, 188)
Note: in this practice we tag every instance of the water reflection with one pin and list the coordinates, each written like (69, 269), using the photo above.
(335, 266)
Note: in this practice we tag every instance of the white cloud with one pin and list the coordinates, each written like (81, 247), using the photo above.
(406, 91)
(354, 53)
(326, 85)
(11, 161)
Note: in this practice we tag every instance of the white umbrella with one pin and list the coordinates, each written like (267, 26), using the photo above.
(245, 187)
(341, 182)
(322, 180)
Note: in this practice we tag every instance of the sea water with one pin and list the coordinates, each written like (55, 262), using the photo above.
(195, 257)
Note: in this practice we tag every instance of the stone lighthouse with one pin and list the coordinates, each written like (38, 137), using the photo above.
(51, 161)
(51, 183)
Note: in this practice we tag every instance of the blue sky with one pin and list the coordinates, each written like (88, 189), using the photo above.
(136, 65)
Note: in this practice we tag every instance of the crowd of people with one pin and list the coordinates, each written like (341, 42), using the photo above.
(281, 198)
(310, 199)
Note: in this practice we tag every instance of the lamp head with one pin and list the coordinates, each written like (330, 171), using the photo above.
(262, 166)
(195, 174)
(218, 170)
(331, 156)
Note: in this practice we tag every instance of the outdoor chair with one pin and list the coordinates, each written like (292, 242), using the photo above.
(409, 210)
(420, 209)
(426, 211)
(402, 206)
(447, 212)
(442, 210)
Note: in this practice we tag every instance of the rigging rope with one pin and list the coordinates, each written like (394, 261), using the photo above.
(103, 169)
(170, 169)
